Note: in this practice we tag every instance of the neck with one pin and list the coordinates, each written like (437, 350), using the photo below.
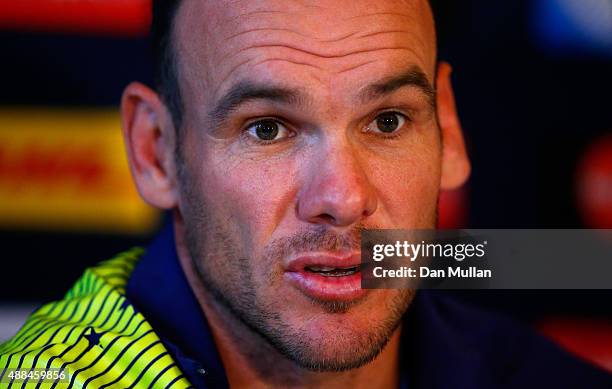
(251, 361)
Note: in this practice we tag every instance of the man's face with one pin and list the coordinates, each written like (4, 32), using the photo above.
(304, 123)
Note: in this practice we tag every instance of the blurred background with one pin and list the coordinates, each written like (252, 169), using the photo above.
(533, 82)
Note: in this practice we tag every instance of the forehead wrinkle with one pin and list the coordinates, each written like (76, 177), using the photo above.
(288, 61)
(303, 63)
(340, 38)
(374, 33)
(300, 21)
(233, 69)
(259, 12)
(274, 25)
(330, 40)
(403, 15)
(345, 70)
(238, 34)
(276, 36)
(342, 54)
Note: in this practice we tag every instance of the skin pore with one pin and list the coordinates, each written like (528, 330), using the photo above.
(302, 124)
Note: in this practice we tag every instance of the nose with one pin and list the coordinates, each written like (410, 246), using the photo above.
(336, 190)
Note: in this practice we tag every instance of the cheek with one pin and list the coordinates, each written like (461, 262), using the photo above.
(408, 186)
(255, 195)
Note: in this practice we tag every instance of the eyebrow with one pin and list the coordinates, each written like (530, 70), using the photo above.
(246, 91)
(414, 77)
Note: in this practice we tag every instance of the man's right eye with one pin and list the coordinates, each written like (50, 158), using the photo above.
(268, 130)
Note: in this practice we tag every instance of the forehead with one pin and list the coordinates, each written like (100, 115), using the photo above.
(219, 43)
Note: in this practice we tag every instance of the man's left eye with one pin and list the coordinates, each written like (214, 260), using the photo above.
(387, 123)
(268, 130)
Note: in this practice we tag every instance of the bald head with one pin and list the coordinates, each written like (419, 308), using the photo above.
(325, 28)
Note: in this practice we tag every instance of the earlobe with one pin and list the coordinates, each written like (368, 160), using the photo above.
(455, 162)
(149, 139)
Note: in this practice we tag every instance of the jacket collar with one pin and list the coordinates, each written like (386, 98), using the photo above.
(160, 291)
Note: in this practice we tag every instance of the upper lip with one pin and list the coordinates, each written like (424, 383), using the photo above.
(334, 260)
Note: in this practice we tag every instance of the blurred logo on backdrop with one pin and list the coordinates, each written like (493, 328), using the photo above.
(66, 169)
(569, 27)
(99, 17)
(594, 184)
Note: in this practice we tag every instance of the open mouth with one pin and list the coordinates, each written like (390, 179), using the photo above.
(328, 271)
(327, 276)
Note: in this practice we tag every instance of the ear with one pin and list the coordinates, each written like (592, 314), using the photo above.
(149, 137)
(455, 162)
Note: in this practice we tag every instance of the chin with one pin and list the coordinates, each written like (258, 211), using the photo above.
(330, 346)
(339, 336)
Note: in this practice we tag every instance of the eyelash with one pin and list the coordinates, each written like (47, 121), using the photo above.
(395, 135)
(245, 131)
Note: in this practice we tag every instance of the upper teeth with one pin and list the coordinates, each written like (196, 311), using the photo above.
(329, 268)
(321, 268)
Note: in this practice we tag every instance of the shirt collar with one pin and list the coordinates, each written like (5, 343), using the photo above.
(159, 289)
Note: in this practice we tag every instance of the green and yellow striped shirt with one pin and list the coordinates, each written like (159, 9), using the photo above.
(94, 335)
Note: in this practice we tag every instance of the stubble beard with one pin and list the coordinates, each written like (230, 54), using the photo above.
(228, 278)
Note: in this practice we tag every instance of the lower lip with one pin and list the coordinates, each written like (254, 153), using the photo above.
(344, 288)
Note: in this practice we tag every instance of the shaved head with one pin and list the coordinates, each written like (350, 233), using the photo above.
(166, 70)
